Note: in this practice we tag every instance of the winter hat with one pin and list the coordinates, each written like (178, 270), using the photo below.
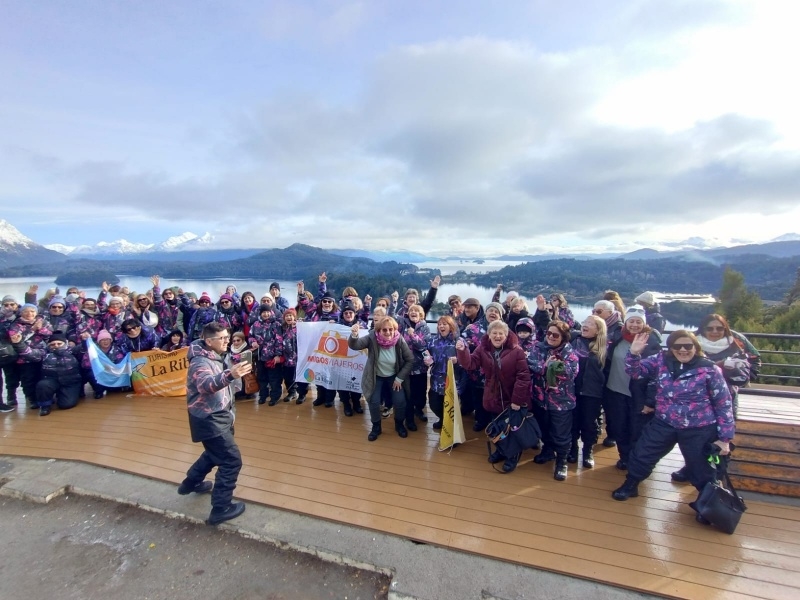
(645, 298)
(56, 300)
(204, 297)
(275, 286)
(525, 323)
(635, 312)
(471, 302)
(227, 297)
(8, 299)
(328, 296)
(104, 335)
(265, 308)
(347, 305)
(72, 298)
(28, 305)
(495, 305)
(116, 299)
(289, 311)
(454, 297)
(58, 336)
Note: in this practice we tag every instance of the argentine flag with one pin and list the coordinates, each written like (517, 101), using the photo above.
(107, 372)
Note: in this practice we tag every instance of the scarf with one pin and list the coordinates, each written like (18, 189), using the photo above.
(239, 349)
(149, 318)
(385, 342)
(113, 310)
(712, 348)
(612, 318)
(627, 335)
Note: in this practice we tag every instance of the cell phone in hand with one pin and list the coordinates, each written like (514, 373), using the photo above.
(246, 356)
(426, 355)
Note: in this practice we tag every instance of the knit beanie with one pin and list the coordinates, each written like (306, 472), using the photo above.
(289, 311)
(496, 305)
(525, 323)
(56, 300)
(645, 298)
(275, 286)
(265, 308)
(104, 335)
(227, 297)
(635, 312)
(204, 297)
(28, 305)
(8, 299)
(57, 336)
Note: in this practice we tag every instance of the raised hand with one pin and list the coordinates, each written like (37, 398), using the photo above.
(460, 345)
(104, 286)
(300, 287)
(435, 282)
(639, 343)
(239, 369)
(540, 302)
(367, 299)
(395, 295)
(155, 280)
(323, 278)
(33, 289)
(354, 330)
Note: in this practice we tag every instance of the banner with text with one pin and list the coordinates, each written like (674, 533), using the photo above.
(323, 357)
(452, 432)
(159, 373)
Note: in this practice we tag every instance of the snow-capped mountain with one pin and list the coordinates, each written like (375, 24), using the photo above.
(187, 241)
(17, 249)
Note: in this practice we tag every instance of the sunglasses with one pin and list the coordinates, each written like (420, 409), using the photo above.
(598, 311)
(715, 328)
(682, 346)
(204, 302)
(129, 329)
(225, 302)
(327, 301)
(553, 334)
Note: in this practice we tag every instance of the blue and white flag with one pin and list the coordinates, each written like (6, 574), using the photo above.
(106, 371)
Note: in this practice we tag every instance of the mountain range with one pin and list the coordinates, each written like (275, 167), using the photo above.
(19, 250)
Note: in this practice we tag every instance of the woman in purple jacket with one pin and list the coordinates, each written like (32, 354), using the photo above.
(693, 410)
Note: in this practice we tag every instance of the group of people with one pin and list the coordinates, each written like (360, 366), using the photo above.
(506, 356)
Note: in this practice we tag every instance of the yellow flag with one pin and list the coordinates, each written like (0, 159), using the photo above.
(159, 373)
(452, 427)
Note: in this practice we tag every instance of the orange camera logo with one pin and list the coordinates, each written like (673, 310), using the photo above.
(332, 343)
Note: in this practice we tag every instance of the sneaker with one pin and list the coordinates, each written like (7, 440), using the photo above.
(386, 412)
(220, 515)
(204, 487)
(98, 395)
(11, 401)
(4, 408)
(300, 400)
(293, 397)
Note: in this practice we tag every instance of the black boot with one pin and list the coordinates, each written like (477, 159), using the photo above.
(545, 456)
(400, 428)
(629, 489)
(376, 431)
(348, 409)
(357, 407)
(572, 456)
(681, 475)
(511, 463)
(496, 457)
(410, 424)
(560, 472)
(588, 458)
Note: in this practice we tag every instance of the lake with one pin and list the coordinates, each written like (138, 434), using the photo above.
(17, 287)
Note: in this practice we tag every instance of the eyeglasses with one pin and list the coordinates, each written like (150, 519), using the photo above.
(9, 304)
(553, 334)
(389, 330)
(598, 311)
(225, 302)
(715, 328)
(226, 338)
(682, 346)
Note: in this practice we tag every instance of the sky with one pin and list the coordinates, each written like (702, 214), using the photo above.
(475, 128)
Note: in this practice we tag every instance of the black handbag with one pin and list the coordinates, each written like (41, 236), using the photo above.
(513, 431)
(721, 506)
(7, 352)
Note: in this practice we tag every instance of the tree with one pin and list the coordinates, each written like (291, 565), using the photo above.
(794, 294)
(736, 302)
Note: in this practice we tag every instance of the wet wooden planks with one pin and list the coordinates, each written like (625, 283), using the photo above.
(318, 462)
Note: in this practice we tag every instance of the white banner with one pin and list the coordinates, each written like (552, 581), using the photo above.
(323, 357)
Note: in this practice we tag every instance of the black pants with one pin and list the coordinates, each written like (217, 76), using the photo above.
(275, 378)
(556, 426)
(584, 420)
(11, 373)
(619, 408)
(398, 400)
(419, 384)
(482, 416)
(66, 395)
(223, 453)
(349, 399)
(29, 375)
(436, 402)
(302, 388)
(326, 395)
(658, 439)
(262, 374)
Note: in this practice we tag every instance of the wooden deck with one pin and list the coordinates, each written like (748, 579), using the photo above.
(316, 461)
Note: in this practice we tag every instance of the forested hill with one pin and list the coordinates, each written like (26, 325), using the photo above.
(770, 277)
(293, 263)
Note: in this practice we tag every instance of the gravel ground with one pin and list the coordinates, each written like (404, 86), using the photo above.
(87, 549)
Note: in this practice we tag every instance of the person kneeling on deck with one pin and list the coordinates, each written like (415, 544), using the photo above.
(61, 375)
(209, 397)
